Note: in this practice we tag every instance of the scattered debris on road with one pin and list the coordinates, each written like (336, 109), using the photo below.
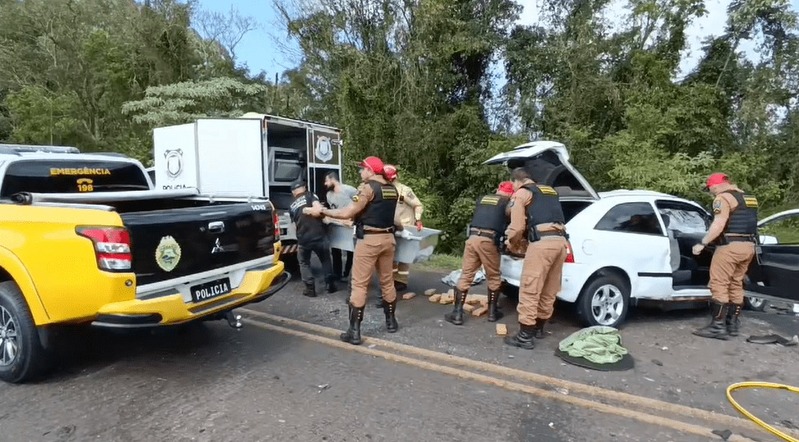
(452, 278)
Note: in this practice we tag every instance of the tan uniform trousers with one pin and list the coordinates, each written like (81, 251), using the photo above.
(727, 270)
(480, 251)
(541, 279)
(374, 251)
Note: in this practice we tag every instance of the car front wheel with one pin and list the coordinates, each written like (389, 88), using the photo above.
(604, 301)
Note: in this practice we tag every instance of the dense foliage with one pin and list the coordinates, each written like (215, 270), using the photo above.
(412, 81)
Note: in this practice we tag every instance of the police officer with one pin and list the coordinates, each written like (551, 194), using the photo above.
(536, 213)
(409, 212)
(311, 237)
(483, 249)
(734, 231)
(373, 210)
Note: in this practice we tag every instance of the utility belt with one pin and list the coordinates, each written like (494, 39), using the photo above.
(485, 233)
(534, 235)
(497, 237)
(361, 230)
(726, 239)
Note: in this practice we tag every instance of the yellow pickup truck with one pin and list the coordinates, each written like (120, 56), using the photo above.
(85, 239)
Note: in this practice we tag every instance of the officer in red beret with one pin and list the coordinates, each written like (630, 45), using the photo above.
(373, 210)
(734, 232)
(483, 249)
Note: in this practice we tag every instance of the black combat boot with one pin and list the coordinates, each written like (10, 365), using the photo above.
(391, 321)
(331, 286)
(493, 307)
(456, 316)
(310, 289)
(717, 328)
(539, 328)
(523, 338)
(353, 333)
(733, 320)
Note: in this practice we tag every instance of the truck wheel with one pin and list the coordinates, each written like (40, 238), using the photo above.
(22, 356)
(291, 263)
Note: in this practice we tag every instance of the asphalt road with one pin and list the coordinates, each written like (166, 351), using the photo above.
(210, 382)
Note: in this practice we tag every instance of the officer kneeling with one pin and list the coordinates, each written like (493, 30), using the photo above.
(483, 249)
(373, 210)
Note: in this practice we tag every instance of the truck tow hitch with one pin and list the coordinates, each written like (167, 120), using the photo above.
(233, 320)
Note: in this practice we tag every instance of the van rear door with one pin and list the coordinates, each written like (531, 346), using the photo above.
(324, 156)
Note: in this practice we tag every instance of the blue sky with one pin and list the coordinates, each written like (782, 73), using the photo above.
(261, 49)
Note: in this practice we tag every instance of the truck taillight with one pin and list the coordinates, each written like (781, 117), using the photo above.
(276, 220)
(111, 247)
(569, 254)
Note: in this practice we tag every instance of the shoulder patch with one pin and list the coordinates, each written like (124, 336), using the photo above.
(389, 192)
(490, 200)
(547, 190)
(751, 202)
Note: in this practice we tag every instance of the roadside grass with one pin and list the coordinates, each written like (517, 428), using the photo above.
(440, 263)
(785, 234)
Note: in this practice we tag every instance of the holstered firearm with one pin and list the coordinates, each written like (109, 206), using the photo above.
(533, 235)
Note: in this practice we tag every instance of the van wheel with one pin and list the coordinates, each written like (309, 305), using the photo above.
(22, 356)
(604, 301)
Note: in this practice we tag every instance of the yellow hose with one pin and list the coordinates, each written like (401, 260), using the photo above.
(753, 418)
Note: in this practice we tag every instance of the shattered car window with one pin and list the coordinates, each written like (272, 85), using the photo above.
(685, 220)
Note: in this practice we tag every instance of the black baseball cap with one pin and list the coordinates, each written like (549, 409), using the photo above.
(297, 184)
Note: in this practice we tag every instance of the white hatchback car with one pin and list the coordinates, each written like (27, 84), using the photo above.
(627, 246)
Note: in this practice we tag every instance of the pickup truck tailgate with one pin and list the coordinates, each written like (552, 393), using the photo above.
(171, 243)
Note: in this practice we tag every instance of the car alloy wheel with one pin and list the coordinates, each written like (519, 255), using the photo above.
(607, 305)
(9, 346)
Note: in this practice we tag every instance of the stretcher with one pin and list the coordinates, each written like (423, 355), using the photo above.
(412, 246)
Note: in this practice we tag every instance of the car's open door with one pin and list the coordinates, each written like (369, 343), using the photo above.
(775, 270)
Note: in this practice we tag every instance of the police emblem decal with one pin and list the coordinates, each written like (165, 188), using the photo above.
(174, 162)
(167, 254)
(323, 151)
